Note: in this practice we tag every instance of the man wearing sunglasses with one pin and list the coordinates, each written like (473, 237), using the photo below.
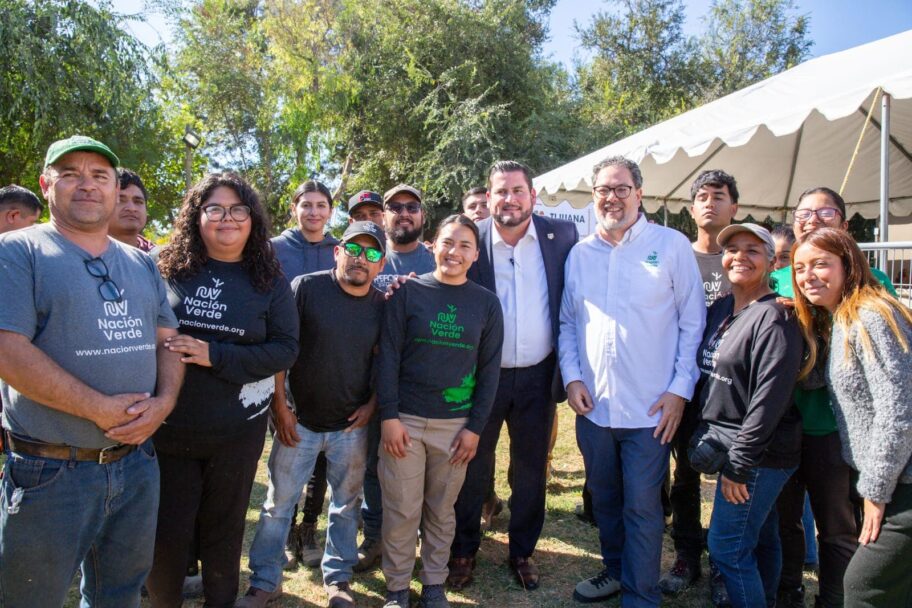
(333, 400)
(86, 380)
(403, 219)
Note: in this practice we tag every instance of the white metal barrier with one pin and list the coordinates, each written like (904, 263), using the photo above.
(895, 260)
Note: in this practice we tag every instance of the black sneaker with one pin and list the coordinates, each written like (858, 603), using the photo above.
(682, 575)
(790, 598)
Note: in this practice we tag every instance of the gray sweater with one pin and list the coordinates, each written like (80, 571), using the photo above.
(872, 400)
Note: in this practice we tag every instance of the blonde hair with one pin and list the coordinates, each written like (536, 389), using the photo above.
(861, 290)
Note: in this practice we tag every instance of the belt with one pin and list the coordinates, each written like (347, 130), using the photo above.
(106, 455)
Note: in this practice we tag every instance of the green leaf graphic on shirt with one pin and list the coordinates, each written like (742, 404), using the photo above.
(461, 394)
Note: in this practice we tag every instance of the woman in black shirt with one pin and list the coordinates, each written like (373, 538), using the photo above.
(750, 430)
(238, 327)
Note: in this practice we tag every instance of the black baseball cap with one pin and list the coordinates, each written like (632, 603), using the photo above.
(365, 197)
(368, 228)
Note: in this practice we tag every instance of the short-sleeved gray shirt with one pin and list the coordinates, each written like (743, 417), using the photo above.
(48, 295)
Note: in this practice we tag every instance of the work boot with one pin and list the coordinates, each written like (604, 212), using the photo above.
(309, 552)
(258, 598)
(292, 548)
(339, 595)
(368, 554)
(718, 594)
(489, 510)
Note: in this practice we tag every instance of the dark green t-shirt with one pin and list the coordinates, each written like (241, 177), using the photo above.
(814, 404)
(440, 348)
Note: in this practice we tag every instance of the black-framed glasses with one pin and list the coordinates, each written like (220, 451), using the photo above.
(397, 208)
(371, 254)
(621, 192)
(216, 213)
(108, 288)
(823, 214)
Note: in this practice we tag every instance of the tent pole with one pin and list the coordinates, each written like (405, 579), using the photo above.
(884, 175)
(665, 212)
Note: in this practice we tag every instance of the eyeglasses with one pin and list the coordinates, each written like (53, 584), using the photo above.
(398, 207)
(621, 192)
(371, 254)
(108, 288)
(216, 213)
(824, 213)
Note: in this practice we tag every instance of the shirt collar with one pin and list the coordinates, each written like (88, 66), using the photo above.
(530, 233)
(632, 233)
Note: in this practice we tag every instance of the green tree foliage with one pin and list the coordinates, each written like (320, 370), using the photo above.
(69, 67)
(645, 69)
(749, 40)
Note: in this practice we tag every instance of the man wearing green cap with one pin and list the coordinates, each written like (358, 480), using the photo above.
(86, 380)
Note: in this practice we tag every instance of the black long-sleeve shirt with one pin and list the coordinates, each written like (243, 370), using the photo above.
(251, 335)
(440, 352)
(748, 363)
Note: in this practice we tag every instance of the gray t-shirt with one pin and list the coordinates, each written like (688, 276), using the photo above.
(715, 281)
(420, 261)
(49, 296)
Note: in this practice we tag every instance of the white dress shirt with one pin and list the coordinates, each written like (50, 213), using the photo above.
(632, 318)
(522, 288)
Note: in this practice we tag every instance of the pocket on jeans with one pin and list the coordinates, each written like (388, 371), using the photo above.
(32, 474)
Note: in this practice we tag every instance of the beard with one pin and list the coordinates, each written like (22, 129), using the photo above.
(403, 235)
(356, 279)
(509, 220)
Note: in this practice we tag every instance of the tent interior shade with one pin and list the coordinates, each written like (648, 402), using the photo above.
(778, 137)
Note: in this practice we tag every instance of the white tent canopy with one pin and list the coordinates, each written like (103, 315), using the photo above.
(778, 137)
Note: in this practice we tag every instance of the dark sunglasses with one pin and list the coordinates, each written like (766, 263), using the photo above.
(398, 207)
(371, 254)
(108, 288)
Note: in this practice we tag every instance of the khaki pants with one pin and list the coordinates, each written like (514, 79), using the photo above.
(420, 489)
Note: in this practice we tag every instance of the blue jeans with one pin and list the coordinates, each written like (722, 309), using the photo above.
(810, 534)
(625, 471)
(372, 507)
(289, 471)
(58, 515)
(744, 539)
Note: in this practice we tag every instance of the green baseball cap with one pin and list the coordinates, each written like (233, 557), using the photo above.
(78, 143)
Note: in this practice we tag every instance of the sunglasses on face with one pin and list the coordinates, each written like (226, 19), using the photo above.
(217, 213)
(398, 207)
(354, 250)
(108, 288)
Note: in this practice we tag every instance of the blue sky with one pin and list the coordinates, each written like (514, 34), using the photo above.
(835, 24)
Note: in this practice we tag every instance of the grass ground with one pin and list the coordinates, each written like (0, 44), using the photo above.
(566, 553)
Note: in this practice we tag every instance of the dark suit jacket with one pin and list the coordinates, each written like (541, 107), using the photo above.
(556, 238)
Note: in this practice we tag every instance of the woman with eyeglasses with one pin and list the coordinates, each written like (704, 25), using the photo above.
(822, 474)
(239, 326)
(865, 343)
(437, 374)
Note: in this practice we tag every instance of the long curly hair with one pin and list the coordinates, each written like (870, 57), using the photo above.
(185, 255)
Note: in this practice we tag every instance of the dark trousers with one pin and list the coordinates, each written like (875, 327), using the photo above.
(878, 575)
(316, 492)
(828, 480)
(686, 529)
(208, 481)
(523, 401)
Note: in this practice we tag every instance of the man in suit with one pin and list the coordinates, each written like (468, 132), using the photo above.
(521, 259)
